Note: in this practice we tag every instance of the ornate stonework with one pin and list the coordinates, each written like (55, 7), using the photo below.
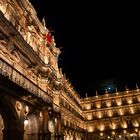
(40, 101)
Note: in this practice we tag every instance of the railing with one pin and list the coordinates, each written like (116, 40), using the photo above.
(112, 95)
(18, 78)
(128, 110)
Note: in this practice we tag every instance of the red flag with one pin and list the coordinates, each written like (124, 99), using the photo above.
(48, 37)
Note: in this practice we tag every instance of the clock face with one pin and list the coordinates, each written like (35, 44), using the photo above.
(51, 126)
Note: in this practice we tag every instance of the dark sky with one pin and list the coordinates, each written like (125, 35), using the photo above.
(99, 42)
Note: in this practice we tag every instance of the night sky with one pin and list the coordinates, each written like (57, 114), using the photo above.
(99, 43)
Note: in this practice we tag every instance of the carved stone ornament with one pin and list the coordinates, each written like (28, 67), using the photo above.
(18, 106)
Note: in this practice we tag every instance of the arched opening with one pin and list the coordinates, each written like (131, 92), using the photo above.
(31, 127)
(1, 127)
(9, 122)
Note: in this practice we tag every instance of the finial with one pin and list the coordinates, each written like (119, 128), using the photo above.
(126, 88)
(137, 86)
(86, 95)
(116, 89)
(96, 93)
(44, 22)
(106, 91)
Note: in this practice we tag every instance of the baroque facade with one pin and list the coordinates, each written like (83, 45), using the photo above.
(37, 102)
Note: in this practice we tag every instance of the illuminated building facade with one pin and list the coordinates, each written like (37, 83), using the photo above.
(37, 102)
(113, 116)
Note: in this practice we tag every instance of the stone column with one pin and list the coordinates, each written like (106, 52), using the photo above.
(85, 135)
(22, 118)
(59, 135)
(45, 133)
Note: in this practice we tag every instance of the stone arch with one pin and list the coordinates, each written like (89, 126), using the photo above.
(1, 127)
(10, 120)
(32, 127)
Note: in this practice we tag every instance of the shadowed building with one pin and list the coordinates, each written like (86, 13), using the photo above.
(37, 102)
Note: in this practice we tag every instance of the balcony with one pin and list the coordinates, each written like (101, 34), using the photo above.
(15, 76)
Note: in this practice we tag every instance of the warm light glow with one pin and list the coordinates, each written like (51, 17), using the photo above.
(119, 101)
(133, 134)
(99, 114)
(102, 127)
(110, 113)
(26, 121)
(131, 110)
(26, 109)
(113, 126)
(89, 116)
(3, 9)
(124, 125)
(136, 130)
(108, 103)
(98, 104)
(55, 120)
(135, 123)
(138, 98)
(108, 137)
(40, 114)
(90, 129)
(101, 134)
(124, 131)
(121, 111)
(127, 91)
(129, 100)
(113, 132)
(88, 106)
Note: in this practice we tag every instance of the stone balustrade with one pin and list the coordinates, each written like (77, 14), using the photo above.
(18, 78)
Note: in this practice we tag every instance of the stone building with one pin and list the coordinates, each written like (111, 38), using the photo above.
(37, 101)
